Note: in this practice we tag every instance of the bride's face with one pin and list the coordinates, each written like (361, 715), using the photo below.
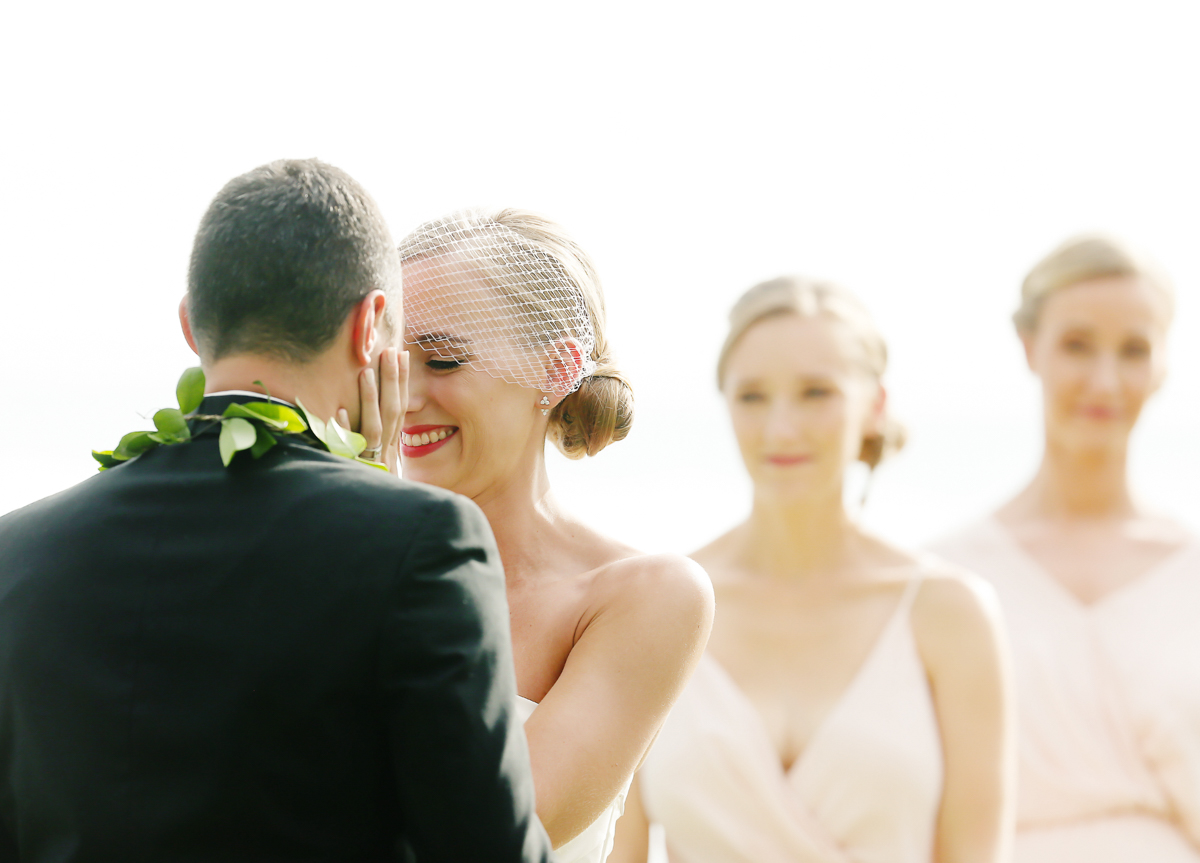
(465, 430)
(800, 405)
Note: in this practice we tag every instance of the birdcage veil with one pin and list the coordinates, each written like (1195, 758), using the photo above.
(479, 293)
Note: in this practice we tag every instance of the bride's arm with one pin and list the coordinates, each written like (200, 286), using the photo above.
(958, 631)
(637, 643)
(632, 844)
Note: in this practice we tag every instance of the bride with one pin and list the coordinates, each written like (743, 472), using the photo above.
(505, 323)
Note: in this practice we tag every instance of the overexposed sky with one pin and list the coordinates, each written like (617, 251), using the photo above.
(924, 154)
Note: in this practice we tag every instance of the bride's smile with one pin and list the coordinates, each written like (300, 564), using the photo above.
(422, 440)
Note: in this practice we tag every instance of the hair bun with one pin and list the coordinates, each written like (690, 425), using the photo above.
(888, 442)
(595, 415)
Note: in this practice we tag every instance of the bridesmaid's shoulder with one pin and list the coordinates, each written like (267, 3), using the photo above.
(942, 581)
(955, 608)
(950, 590)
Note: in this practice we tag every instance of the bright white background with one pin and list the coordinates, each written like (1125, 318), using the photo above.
(922, 153)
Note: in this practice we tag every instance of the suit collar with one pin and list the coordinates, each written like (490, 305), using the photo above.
(253, 395)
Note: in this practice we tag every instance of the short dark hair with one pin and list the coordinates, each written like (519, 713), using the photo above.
(282, 255)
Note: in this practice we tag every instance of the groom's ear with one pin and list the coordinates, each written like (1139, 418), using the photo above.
(186, 324)
(366, 319)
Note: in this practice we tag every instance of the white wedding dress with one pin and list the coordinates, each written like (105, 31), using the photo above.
(595, 843)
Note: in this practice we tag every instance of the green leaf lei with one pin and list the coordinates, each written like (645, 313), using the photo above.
(250, 426)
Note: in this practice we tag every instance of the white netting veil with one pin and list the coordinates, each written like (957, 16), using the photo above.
(479, 293)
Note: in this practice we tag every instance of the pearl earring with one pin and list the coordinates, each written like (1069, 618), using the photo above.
(544, 401)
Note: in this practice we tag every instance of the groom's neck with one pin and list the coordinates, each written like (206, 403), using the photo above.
(317, 383)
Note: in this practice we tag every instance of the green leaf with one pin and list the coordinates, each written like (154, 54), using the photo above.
(357, 442)
(314, 423)
(379, 465)
(190, 389)
(244, 411)
(279, 417)
(172, 426)
(105, 457)
(293, 423)
(134, 443)
(339, 441)
(342, 441)
(236, 435)
(264, 442)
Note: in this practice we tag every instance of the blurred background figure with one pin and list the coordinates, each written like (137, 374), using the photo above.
(853, 701)
(1101, 596)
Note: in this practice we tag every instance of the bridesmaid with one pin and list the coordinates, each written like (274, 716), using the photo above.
(852, 705)
(1102, 596)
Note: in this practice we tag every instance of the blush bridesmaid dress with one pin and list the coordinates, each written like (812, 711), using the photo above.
(1109, 706)
(866, 789)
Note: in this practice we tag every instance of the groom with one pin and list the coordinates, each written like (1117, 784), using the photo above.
(293, 658)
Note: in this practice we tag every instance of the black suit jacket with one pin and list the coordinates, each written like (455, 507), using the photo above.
(293, 659)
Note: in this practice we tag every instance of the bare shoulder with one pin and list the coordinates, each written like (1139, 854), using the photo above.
(653, 612)
(949, 592)
(956, 617)
(656, 582)
(620, 581)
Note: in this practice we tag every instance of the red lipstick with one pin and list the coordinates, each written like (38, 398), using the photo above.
(420, 450)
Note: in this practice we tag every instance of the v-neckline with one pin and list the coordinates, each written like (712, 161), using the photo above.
(819, 731)
(1045, 576)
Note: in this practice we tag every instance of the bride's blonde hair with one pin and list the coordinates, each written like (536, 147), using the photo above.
(809, 299)
(522, 253)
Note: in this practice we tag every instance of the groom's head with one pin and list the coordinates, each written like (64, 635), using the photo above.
(285, 259)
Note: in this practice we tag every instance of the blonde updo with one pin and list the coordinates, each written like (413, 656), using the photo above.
(1081, 259)
(600, 410)
(796, 295)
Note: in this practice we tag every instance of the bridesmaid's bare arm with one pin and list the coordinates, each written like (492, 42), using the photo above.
(957, 626)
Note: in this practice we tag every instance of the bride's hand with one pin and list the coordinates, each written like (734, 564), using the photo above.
(381, 409)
